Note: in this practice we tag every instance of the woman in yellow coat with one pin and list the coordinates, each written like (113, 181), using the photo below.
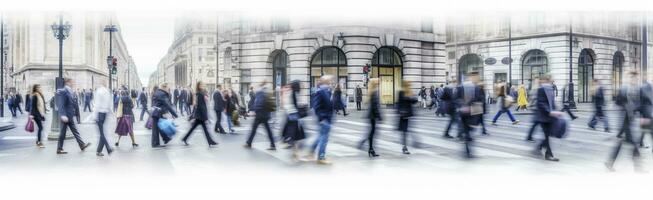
(522, 99)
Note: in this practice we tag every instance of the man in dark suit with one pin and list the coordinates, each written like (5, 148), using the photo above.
(629, 99)
(218, 107)
(449, 97)
(19, 100)
(470, 101)
(262, 109)
(175, 97)
(182, 99)
(88, 98)
(67, 108)
(546, 115)
(142, 100)
(359, 97)
(599, 102)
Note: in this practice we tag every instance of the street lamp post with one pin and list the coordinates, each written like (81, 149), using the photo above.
(111, 61)
(61, 31)
(570, 87)
(2, 66)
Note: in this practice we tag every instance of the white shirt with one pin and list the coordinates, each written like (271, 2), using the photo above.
(102, 100)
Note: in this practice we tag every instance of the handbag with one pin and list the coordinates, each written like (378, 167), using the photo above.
(150, 123)
(29, 127)
(166, 126)
(559, 128)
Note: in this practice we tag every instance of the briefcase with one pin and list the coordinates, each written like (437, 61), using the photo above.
(559, 128)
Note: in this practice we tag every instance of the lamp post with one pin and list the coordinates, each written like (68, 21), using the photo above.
(2, 66)
(570, 87)
(61, 31)
(111, 61)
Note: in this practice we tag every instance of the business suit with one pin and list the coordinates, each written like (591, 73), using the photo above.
(359, 98)
(218, 107)
(468, 95)
(449, 98)
(67, 107)
(200, 115)
(76, 106)
(88, 97)
(161, 105)
(646, 109)
(599, 102)
(183, 98)
(143, 102)
(545, 105)
(262, 116)
(629, 100)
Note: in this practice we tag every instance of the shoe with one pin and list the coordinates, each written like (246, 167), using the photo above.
(99, 154)
(248, 146)
(573, 118)
(185, 142)
(272, 149)
(530, 140)
(609, 166)
(40, 145)
(447, 136)
(109, 151)
(371, 153)
(551, 158)
(223, 132)
(323, 162)
(213, 144)
(158, 146)
(117, 144)
(60, 151)
(607, 130)
(405, 150)
(83, 147)
(515, 122)
(134, 145)
(537, 152)
(620, 136)
(494, 123)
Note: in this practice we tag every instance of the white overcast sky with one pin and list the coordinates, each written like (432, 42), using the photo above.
(148, 36)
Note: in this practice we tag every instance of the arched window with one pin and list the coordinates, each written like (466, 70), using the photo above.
(468, 63)
(387, 66)
(617, 71)
(534, 65)
(329, 61)
(585, 74)
(279, 65)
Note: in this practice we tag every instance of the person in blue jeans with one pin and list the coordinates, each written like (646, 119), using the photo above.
(323, 107)
(504, 102)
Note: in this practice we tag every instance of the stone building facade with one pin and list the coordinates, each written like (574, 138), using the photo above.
(278, 49)
(34, 53)
(605, 45)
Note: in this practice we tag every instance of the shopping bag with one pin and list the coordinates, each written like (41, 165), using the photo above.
(149, 124)
(29, 127)
(167, 127)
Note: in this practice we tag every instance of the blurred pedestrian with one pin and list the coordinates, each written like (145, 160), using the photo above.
(11, 103)
(546, 115)
(422, 97)
(234, 115)
(103, 103)
(37, 112)
(645, 109)
(28, 100)
(88, 98)
(263, 105)
(200, 114)
(142, 100)
(359, 97)
(219, 108)
(628, 99)
(175, 97)
(161, 105)
(19, 100)
(449, 97)
(252, 97)
(504, 102)
(405, 111)
(125, 118)
(434, 98)
(229, 109)
(599, 104)
(470, 100)
(373, 114)
(323, 108)
(522, 98)
(67, 107)
(440, 111)
(183, 100)
(566, 102)
(338, 102)
(293, 132)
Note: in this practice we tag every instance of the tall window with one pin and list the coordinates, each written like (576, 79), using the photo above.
(534, 65)
(585, 74)
(387, 66)
(328, 61)
(279, 65)
(469, 63)
(617, 71)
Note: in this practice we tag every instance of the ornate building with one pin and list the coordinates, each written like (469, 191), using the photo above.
(34, 54)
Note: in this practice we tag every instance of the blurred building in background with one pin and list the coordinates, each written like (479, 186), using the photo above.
(604, 45)
(33, 51)
(278, 49)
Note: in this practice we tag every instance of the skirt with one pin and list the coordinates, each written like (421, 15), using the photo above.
(293, 131)
(125, 125)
